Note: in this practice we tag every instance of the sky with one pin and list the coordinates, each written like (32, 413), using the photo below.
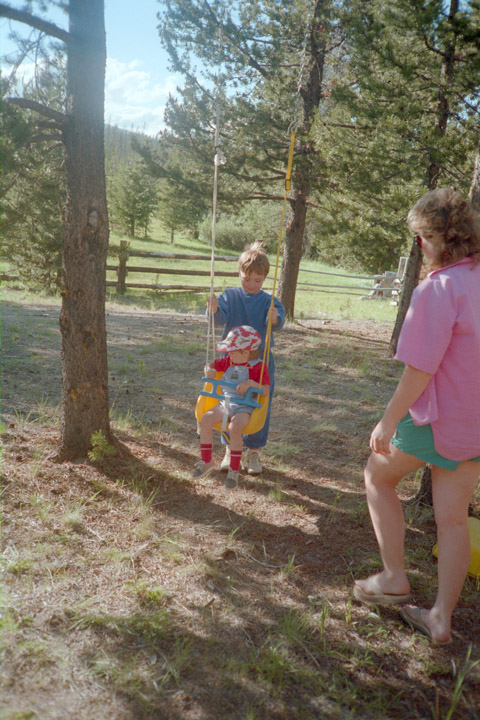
(138, 81)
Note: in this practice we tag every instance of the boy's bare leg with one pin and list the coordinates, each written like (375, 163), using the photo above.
(382, 475)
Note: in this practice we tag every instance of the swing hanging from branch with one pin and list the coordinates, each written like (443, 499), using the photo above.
(211, 394)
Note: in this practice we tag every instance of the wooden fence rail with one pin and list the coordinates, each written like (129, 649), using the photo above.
(386, 285)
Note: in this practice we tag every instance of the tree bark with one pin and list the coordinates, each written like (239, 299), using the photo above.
(82, 318)
(311, 94)
(474, 193)
(415, 259)
(412, 274)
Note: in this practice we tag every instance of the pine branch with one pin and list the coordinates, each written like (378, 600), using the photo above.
(34, 21)
(58, 117)
(43, 136)
(48, 125)
(234, 43)
(348, 126)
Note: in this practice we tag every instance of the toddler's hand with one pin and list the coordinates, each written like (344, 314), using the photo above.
(209, 372)
(245, 385)
(212, 304)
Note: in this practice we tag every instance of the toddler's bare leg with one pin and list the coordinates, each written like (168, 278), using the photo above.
(237, 424)
(209, 419)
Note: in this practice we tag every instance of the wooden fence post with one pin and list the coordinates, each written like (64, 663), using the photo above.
(122, 267)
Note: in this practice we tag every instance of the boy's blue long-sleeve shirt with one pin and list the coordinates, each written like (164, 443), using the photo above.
(236, 307)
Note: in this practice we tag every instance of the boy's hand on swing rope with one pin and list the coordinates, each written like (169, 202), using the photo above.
(274, 315)
(212, 304)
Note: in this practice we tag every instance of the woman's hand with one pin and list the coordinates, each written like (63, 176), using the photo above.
(381, 436)
(411, 385)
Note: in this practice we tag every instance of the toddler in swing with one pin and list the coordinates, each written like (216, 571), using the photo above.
(250, 305)
(240, 365)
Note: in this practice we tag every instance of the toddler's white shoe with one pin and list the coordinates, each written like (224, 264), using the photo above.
(231, 481)
(252, 463)
(202, 469)
(226, 459)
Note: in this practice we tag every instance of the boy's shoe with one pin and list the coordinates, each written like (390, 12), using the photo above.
(231, 481)
(226, 460)
(202, 469)
(252, 463)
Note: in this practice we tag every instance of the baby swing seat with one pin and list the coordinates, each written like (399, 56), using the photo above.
(210, 396)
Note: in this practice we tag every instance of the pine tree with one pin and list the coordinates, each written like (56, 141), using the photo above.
(33, 184)
(252, 53)
(80, 126)
(402, 116)
(134, 198)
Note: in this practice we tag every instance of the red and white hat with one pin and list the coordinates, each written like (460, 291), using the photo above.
(242, 337)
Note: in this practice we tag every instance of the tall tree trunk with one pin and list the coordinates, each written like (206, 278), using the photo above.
(82, 319)
(474, 193)
(311, 93)
(412, 274)
(292, 252)
(415, 260)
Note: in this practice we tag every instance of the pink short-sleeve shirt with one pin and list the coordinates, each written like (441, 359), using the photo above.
(441, 335)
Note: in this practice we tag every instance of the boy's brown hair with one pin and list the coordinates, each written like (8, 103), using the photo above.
(254, 259)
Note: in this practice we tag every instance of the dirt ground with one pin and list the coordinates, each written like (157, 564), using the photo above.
(131, 591)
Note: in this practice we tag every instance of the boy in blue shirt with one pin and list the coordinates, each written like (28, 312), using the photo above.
(250, 305)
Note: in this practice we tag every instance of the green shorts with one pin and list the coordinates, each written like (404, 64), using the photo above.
(417, 440)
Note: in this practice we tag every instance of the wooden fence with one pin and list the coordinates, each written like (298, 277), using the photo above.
(381, 286)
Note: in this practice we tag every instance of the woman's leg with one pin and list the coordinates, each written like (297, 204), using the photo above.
(382, 475)
(452, 492)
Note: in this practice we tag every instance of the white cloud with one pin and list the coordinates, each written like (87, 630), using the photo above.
(134, 98)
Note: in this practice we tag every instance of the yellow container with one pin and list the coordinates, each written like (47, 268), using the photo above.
(474, 532)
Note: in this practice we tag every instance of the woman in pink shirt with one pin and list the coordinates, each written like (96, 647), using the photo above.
(434, 414)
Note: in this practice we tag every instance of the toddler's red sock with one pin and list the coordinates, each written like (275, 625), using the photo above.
(206, 453)
(235, 457)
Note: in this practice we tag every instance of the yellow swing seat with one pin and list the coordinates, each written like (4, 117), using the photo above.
(207, 402)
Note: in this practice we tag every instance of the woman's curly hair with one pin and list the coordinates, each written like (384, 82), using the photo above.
(449, 222)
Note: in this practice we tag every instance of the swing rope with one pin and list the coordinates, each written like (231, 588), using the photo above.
(219, 159)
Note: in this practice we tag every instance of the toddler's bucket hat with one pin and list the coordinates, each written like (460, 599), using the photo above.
(242, 337)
